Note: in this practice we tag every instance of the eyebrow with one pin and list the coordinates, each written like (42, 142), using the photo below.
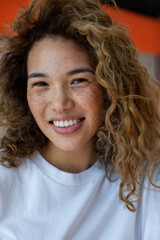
(72, 72)
(37, 75)
(80, 70)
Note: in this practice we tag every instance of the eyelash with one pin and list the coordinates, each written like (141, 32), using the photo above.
(80, 79)
(40, 84)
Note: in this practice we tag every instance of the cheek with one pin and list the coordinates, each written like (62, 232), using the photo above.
(36, 103)
(93, 103)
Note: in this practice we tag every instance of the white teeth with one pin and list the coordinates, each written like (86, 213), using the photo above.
(65, 123)
(61, 124)
(70, 122)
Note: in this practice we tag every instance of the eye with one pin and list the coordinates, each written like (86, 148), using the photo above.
(40, 84)
(79, 80)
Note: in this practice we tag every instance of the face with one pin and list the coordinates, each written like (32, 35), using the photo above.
(63, 94)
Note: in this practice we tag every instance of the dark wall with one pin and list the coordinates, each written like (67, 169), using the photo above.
(148, 7)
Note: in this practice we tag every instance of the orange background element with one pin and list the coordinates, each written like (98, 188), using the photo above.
(144, 30)
(8, 10)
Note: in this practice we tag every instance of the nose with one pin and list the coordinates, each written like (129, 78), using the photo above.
(61, 100)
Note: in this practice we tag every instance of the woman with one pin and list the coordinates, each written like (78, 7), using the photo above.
(79, 149)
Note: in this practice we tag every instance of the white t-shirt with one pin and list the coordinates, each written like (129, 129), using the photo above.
(41, 202)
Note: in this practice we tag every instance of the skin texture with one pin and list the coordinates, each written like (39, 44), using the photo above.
(56, 91)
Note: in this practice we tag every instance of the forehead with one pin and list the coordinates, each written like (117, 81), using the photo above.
(57, 52)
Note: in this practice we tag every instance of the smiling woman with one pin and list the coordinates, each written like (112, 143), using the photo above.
(80, 128)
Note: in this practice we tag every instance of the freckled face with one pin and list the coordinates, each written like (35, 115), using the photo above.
(63, 94)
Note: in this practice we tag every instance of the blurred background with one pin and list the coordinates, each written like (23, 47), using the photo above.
(140, 17)
(148, 7)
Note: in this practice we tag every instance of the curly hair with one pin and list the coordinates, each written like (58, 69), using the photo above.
(128, 138)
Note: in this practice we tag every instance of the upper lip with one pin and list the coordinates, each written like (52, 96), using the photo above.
(65, 118)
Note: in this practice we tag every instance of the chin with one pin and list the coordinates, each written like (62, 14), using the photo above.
(68, 148)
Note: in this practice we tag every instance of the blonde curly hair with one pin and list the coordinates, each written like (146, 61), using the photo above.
(127, 140)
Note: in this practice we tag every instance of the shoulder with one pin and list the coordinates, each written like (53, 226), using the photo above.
(155, 191)
(149, 208)
(8, 175)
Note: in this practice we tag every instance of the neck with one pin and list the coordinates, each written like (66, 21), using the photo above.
(70, 161)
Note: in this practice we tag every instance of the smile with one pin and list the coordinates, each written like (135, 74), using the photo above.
(66, 123)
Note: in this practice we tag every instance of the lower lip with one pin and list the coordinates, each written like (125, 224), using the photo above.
(68, 130)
